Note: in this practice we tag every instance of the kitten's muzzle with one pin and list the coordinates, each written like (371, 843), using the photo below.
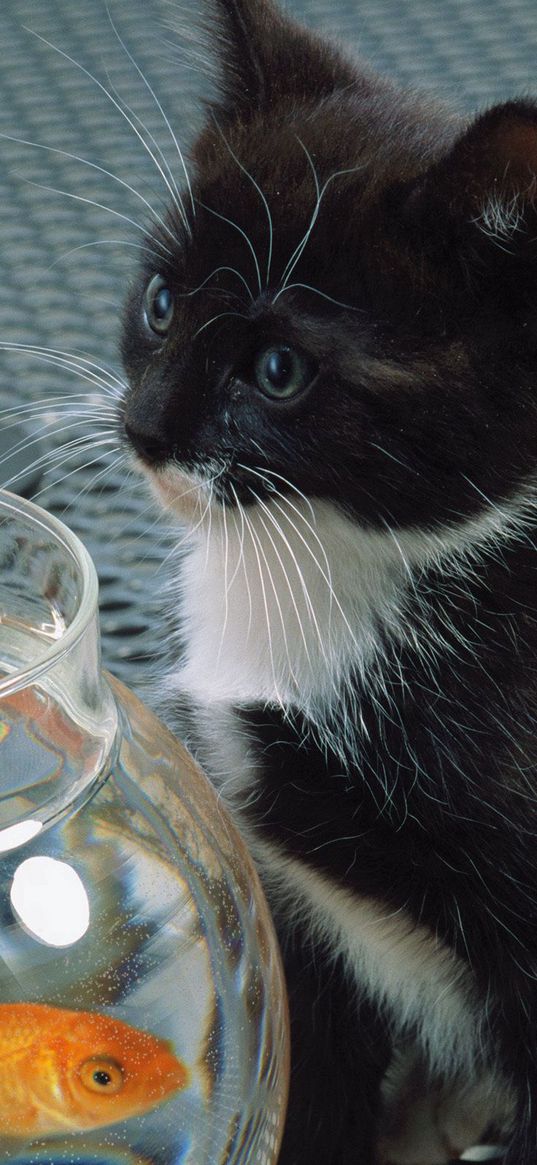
(152, 448)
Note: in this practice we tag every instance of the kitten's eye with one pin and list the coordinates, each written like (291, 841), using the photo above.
(158, 304)
(281, 372)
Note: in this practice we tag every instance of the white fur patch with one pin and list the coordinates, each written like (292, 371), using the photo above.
(423, 985)
(279, 605)
(503, 215)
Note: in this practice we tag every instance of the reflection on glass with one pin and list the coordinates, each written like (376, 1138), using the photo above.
(17, 834)
(50, 901)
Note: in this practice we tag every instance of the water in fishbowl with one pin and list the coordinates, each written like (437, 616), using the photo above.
(46, 754)
(142, 1019)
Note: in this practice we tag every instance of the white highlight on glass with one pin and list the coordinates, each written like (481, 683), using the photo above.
(15, 835)
(50, 901)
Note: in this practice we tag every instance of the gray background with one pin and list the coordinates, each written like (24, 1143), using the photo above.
(51, 294)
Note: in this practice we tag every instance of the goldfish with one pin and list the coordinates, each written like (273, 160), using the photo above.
(66, 1071)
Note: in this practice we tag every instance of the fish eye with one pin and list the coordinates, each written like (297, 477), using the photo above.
(158, 305)
(102, 1075)
(281, 372)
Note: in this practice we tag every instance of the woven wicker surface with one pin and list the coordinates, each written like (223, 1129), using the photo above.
(60, 292)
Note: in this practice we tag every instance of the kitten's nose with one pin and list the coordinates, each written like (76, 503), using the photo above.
(153, 448)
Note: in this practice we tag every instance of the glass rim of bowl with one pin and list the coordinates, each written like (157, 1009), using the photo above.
(12, 504)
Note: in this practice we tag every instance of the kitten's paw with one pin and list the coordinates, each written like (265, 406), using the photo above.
(424, 1125)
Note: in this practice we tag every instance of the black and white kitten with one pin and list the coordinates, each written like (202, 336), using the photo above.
(332, 360)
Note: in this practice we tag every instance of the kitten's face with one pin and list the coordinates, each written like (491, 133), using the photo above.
(335, 314)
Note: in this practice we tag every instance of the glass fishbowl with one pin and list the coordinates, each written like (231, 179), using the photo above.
(142, 1007)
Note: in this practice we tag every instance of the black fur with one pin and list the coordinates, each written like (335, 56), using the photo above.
(413, 306)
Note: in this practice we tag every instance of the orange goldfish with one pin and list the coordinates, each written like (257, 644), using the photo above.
(65, 1071)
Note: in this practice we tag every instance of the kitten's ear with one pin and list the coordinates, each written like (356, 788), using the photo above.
(487, 183)
(266, 57)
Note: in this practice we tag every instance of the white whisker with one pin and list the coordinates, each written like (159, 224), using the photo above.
(93, 481)
(53, 456)
(277, 601)
(26, 443)
(100, 206)
(261, 195)
(54, 403)
(117, 105)
(265, 474)
(80, 364)
(104, 243)
(326, 574)
(77, 469)
(84, 411)
(287, 579)
(226, 585)
(392, 457)
(236, 227)
(241, 557)
(320, 192)
(50, 425)
(221, 316)
(163, 165)
(316, 291)
(168, 125)
(208, 539)
(92, 166)
(309, 604)
(233, 271)
(303, 242)
(191, 530)
(266, 610)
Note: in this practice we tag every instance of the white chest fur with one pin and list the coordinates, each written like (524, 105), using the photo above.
(280, 599)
